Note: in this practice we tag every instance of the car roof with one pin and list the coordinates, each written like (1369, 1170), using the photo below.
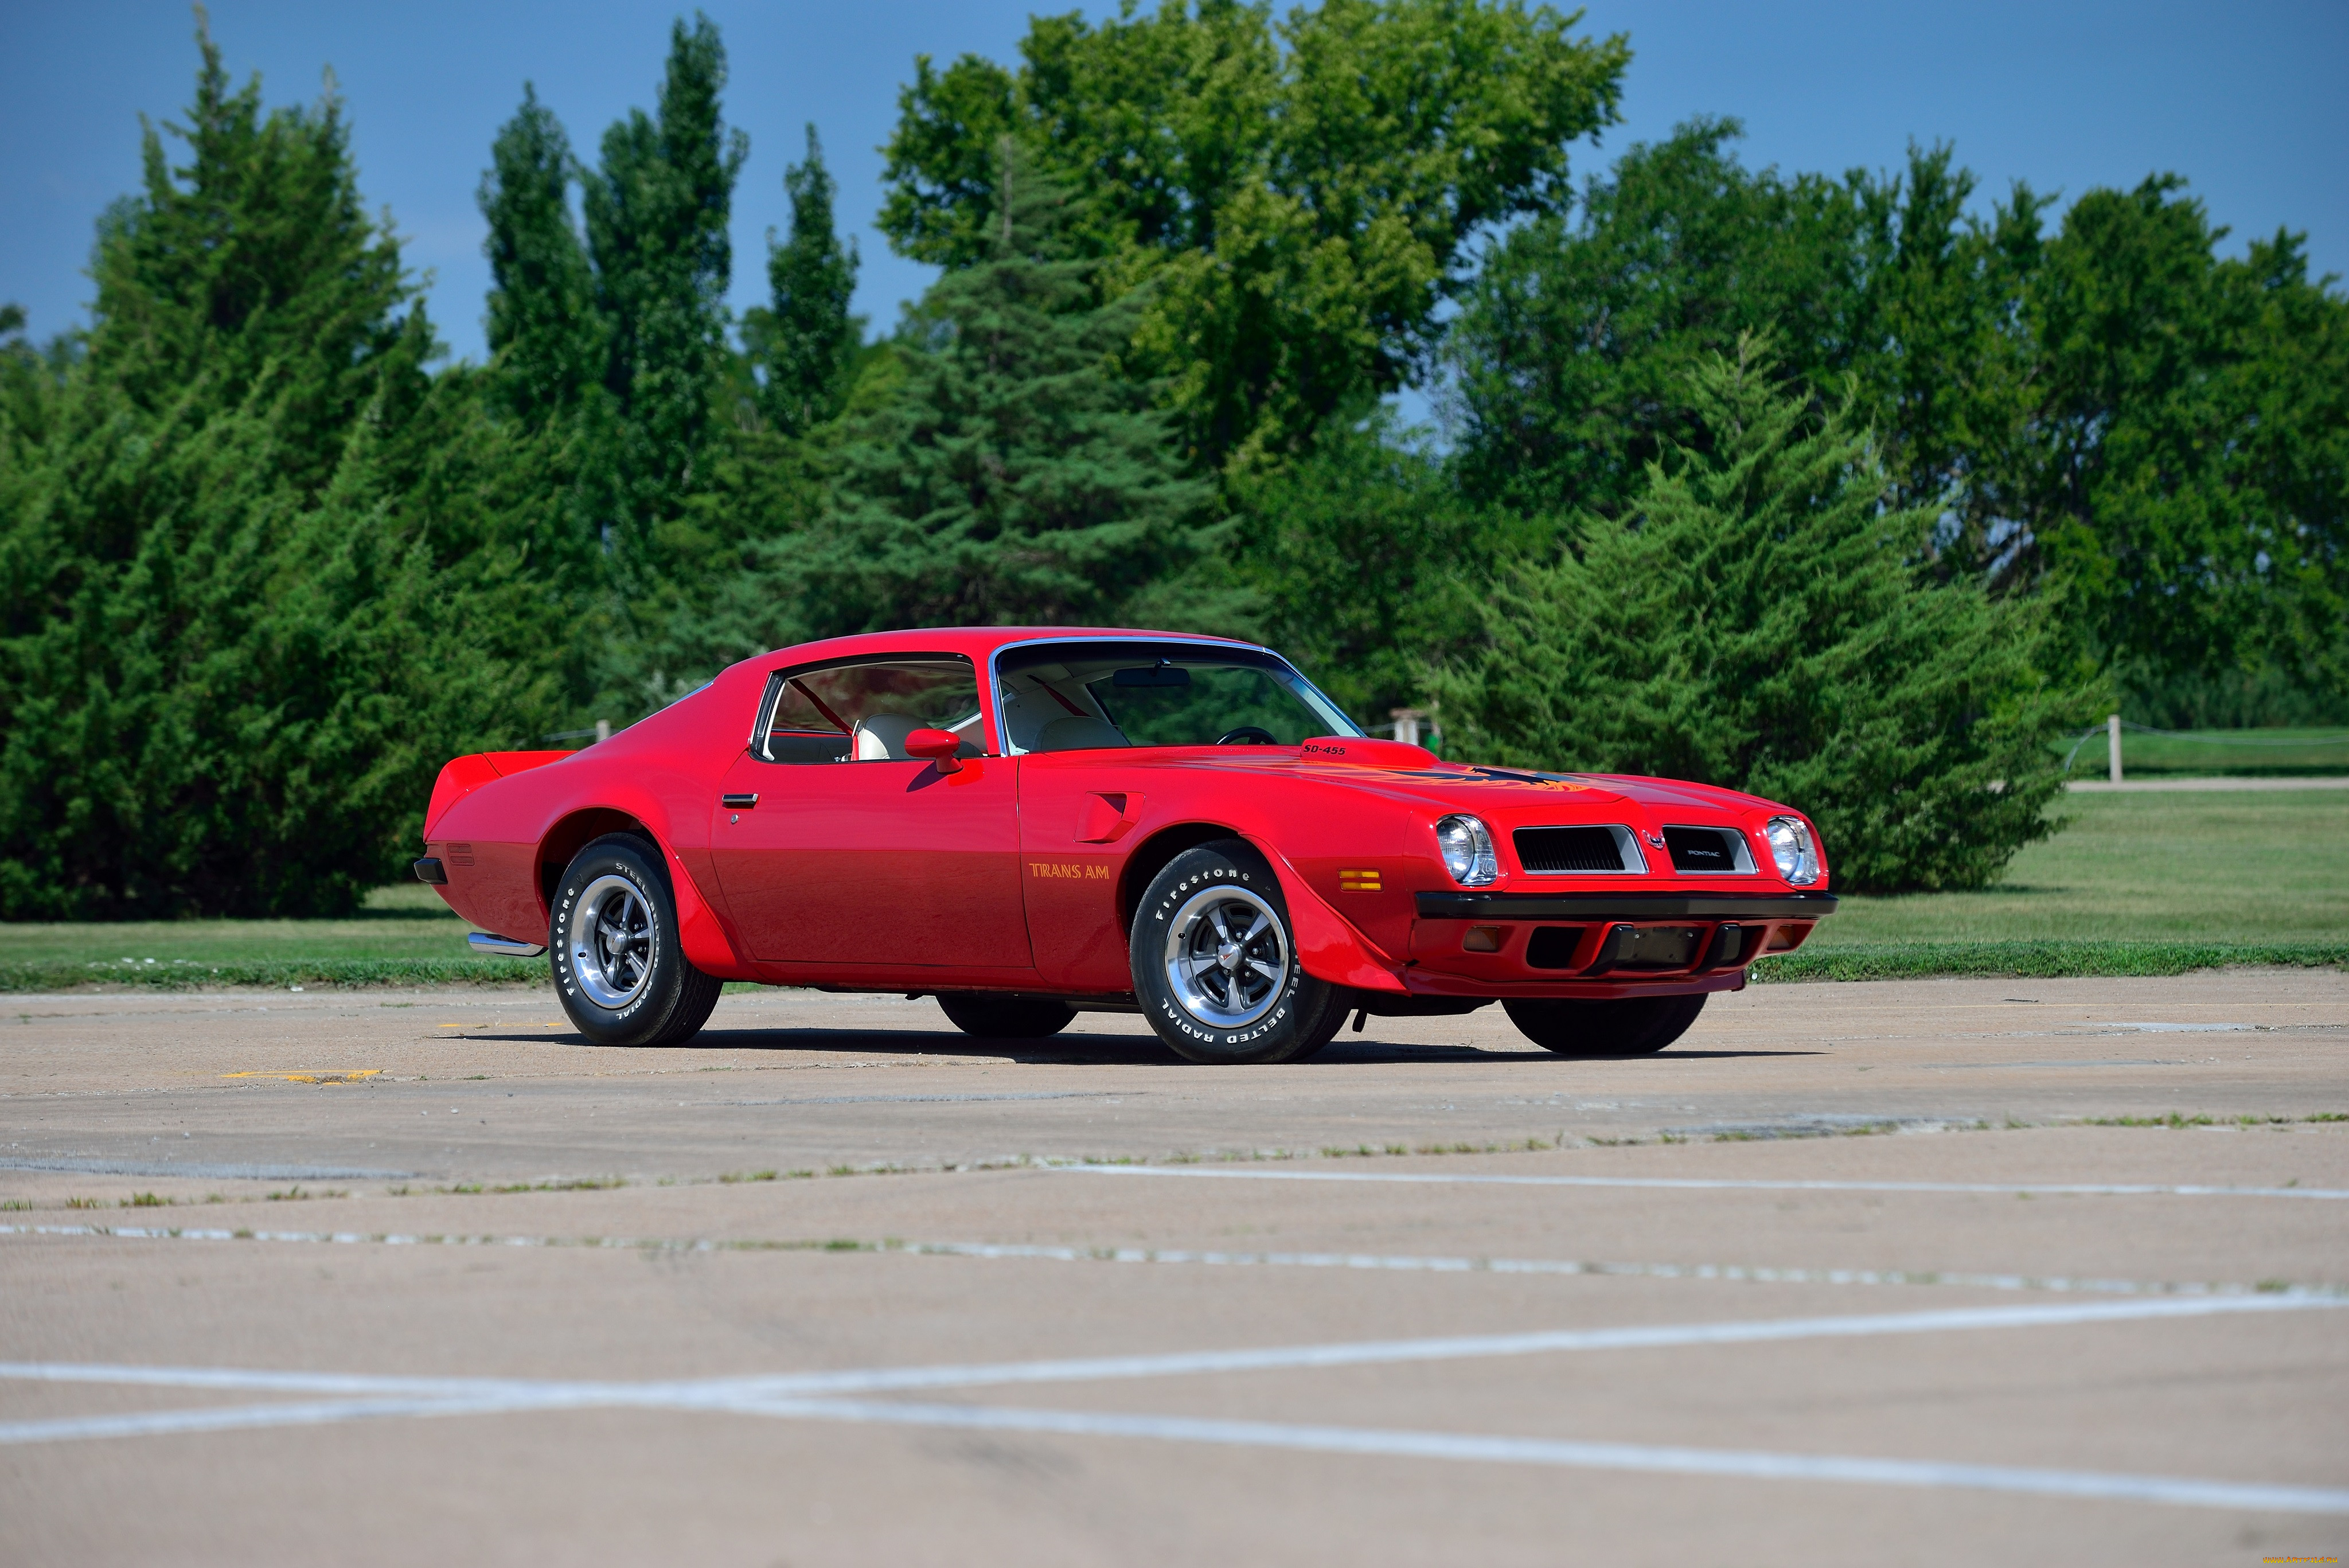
(975, 642)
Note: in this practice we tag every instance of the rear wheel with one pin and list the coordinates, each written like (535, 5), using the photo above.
(619, 968)
(985, 1017)
(1214, 962)
(1631, 1026)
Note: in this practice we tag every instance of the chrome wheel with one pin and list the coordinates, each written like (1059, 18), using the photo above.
(611, 946)
(1226, 957)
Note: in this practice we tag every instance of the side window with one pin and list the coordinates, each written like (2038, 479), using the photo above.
(863, 712)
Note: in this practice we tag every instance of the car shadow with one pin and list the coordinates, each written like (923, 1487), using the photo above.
(1078, 1049)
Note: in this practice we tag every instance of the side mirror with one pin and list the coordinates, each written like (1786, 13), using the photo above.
(938, 745)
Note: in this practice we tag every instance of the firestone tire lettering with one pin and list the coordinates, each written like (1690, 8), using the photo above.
(1288, 1029)
(676, 999)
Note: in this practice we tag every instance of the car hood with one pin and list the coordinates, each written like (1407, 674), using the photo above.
(1511, 793)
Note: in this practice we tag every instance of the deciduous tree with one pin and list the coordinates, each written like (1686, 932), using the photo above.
(1300, 192)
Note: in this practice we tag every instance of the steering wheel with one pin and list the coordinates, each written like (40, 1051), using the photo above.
(1247, 735)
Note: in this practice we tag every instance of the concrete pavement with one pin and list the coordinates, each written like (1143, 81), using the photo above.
(1849, 1274)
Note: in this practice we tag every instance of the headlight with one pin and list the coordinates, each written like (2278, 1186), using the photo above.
(1467, 849)
(1791, 848)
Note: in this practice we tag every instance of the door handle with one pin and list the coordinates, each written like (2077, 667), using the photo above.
(738, 801)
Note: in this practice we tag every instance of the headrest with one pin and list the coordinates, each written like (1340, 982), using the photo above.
(1079, 733)
(881, 737)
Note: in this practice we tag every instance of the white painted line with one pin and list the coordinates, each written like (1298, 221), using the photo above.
(1700, 1184)
(1379, 1262)
(2179, 1492)
(1539, 1341)
(721, 1393)
(250, 1380)
(798, 1395)
(1744, 1465)
(175, 1423)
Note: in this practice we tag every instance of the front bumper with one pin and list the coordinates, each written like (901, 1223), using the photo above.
(1634, 907)
(1589, 944)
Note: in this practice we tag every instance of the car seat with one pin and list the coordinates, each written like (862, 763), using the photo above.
(881, 738)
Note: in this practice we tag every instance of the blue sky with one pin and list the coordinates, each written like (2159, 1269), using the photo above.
(2245, 100)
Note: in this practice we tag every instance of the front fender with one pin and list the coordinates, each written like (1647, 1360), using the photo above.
(1327, 945)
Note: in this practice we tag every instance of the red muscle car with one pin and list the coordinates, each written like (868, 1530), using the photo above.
(1028, 822)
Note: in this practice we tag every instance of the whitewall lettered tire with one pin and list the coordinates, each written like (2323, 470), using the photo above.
(1214, 962)
(620, 970)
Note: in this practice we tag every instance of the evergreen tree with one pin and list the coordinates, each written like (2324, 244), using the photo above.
(657, 214)
(1013, 473)
(806, 347)
(546, 337)
(1757, 625)
(30, 376)
(253, 270)
(1368, 564)
(231, 656)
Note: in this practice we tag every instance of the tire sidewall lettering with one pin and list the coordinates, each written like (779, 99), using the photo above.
(592, 1019)
(1168, 1013)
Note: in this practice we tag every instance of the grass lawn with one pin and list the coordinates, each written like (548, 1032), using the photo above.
(2134, 884)
(404, 935)
(2277, 750)
(2259, 867)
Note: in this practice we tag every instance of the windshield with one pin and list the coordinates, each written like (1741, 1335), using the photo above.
(1080, 696)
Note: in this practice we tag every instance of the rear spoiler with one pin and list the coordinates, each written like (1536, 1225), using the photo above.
(466, 774)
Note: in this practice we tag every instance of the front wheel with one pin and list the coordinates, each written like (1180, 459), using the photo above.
(1631, 1026)
(619, 968)
(1214, 962)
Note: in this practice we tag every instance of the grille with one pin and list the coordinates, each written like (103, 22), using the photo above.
(1542, 849)
(1552, 947)
(1702, 850)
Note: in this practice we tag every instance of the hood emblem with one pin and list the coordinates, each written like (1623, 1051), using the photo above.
(1655, 840)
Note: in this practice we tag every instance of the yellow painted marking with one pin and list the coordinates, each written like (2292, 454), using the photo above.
(1070, 870)
(351, 1076)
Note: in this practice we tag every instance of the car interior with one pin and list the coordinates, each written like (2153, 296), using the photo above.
(1063, 700)
(1093, 696)
(864, 713)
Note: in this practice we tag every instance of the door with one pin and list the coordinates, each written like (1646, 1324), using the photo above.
(835, 848)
